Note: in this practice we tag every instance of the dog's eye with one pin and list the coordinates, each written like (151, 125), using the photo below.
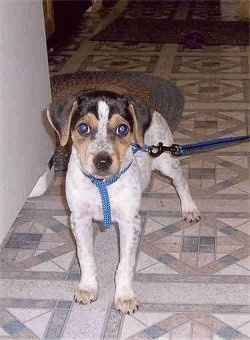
(83, 128)
(122, 129)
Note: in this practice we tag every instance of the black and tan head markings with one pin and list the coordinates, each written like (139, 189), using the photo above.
(109, 134)
(100, 122)
(104, 124)
(115, 102)
(65, 113)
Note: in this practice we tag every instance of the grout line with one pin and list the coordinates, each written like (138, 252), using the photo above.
(165, 61)
(112, 15)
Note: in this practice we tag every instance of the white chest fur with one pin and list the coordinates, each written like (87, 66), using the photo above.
(124, 195)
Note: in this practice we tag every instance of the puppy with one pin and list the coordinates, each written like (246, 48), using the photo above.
(102, 126)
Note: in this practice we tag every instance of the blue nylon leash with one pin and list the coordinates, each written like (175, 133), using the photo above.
(182, 150)
(210, 144)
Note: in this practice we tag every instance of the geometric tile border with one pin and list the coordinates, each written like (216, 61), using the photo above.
(208, 64)
(180, 321)
(219, 90)
(119, 63)
(199, 253)
(40, 248)
(203, 123)
(36, 319)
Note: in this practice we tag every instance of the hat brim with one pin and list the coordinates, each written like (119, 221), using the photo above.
(160, 94)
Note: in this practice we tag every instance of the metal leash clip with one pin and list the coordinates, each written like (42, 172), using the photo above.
(157, 150)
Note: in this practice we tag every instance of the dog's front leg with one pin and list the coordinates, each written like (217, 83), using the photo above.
(87, 289)
(169, 166)
(125, 299)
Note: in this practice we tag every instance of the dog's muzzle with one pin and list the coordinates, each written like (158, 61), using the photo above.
(102, 161)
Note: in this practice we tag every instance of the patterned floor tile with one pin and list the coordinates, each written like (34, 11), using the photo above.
(39, 246)
(208, 175)
(34, 319)
(217, 176)
(179, 322)
(194, 249)
(119, 63)
(214, 90)
(126, 47)
(201, 124)
(210, 64)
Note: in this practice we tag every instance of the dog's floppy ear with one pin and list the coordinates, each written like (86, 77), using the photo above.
(142, 118)
(59, 114)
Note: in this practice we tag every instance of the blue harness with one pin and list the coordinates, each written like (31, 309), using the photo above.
(155, 151)
(102, 184)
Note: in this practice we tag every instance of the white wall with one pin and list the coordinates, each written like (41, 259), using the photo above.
(25, 147)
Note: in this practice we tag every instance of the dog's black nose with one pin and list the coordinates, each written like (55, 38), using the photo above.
(102, 161)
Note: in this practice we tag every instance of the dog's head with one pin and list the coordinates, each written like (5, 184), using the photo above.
(102, 125)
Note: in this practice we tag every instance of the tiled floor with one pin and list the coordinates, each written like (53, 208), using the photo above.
(192, 279)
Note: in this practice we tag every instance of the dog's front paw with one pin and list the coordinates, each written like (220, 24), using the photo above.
(191, 215)
(127, 304)
(86, 295)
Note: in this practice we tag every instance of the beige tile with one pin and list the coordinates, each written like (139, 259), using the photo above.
(226, 248)
(199, 332)
(245, 228)
(172, 322)
(159, 268)
(228, 240)
(192, 230)
(234, 269)
(145, 261)
(48, 266)
(182, 332)
(39, 324)
(204, 259)
(235, 321)
(245, 329)
(206, 229)
(24, 254)
(211, 322)
(170, 247)
(131, 326)
(65, 260)
(190, 258)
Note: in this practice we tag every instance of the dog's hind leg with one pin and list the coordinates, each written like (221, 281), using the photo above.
(87, 289)
(169, 166)
(125, 299)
